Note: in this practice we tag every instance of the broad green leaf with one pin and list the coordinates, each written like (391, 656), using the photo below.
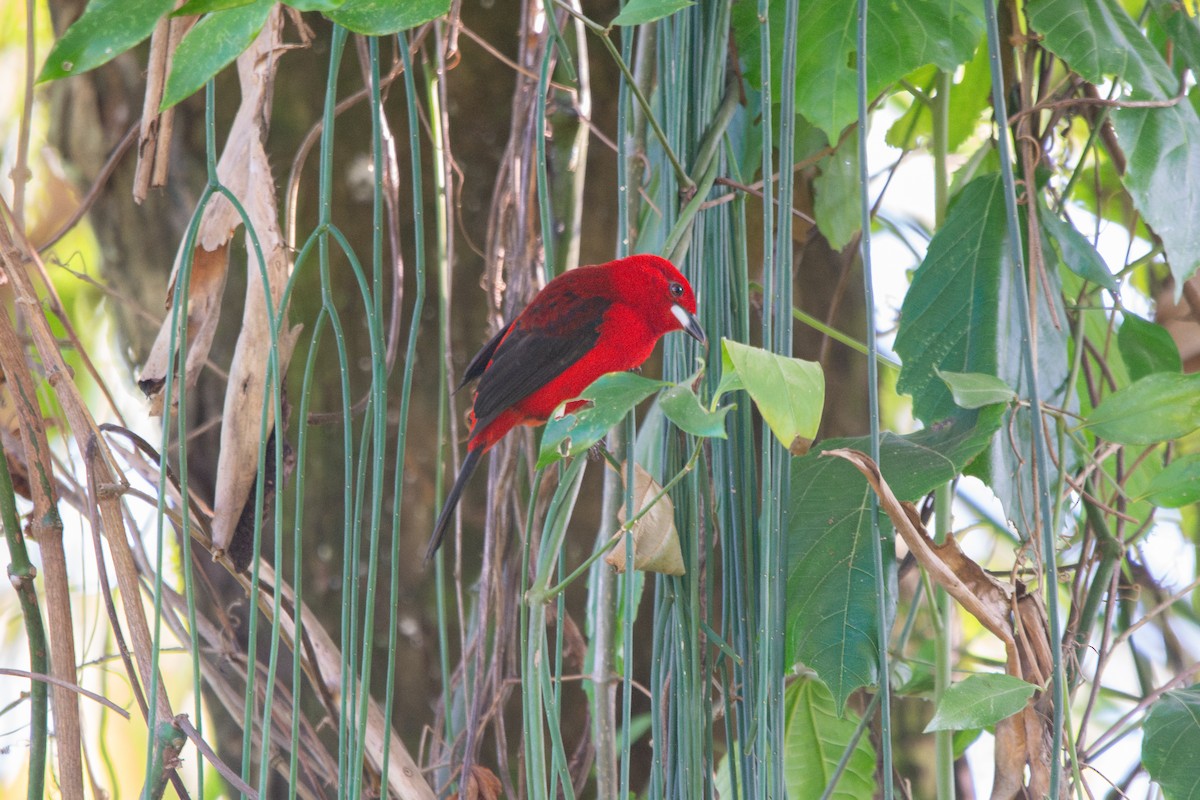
(950, 316)
(979, 701)
(1171, 743)
(682, 407)
(960, 315)
(1147, 347)
(1098, 39)
(723, 777)
(216, 40)
(609, 399)
(1181, 27)
(1162, 177)
(639, 12)
(1157, 408)
(106, 29)
(976, 389)
(385, 17)
(315, 5)
(1177, 485)
(837, 204)
(918, 32)
(194, 8)
(831, 623)
(789, 392)
(1074, 250)
(814, 739)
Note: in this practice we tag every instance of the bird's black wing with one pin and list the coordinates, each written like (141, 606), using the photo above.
(480, 360)
(538, 347)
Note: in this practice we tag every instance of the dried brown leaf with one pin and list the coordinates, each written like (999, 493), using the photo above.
(482, 784)
(655, 540)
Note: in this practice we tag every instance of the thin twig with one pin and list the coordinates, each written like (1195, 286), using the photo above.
(98, 185)
(20, 174)
(235, 781)
(1103, 102)
(74, 687)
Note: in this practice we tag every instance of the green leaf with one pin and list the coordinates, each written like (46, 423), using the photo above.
(214, 42)
(1171, 743)
(682, 407)
(979, 701)
(1099, 39)
(960, 315)
(1074, 250)
(639, 12)
(1157, 408)
(789, 392)
(1147, 347)
(976, 389)
(385, 17)
(919, 32)
(610, 399)
(1181, 29)
(964, 739)
(831, 622)
(315, 5)
(1177, 485)
(837, 206)
(106, 29)
(1162, 177)
(814, 739)
(950, 317)
(194, 8)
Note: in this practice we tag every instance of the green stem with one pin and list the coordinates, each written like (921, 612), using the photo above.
(21, 573)
(877, 554)
(1045, 537)
(943, 604)
(685, 182)
(169, 741)
(943, 608)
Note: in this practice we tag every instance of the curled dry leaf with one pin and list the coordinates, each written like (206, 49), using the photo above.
(1024, 738)
(483, 784)
(209, 268)
(655, 540)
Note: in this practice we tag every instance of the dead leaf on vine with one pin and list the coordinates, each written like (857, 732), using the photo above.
(655, 540)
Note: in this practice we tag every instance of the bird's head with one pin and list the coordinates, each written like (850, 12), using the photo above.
(660, 292)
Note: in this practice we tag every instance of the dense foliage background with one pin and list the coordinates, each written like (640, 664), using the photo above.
(248, 248)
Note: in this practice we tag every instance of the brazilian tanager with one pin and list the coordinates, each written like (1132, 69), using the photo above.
(585, 323)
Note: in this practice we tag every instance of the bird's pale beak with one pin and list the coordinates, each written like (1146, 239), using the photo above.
(690, 324)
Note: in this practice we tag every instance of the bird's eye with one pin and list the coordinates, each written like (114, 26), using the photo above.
(676, 289)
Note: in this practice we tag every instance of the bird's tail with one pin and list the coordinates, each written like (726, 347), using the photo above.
(443, 521)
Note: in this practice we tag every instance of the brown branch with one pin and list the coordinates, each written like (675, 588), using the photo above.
(1103, 102)
(46, 526)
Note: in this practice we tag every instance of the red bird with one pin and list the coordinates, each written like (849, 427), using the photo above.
(585, 323)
